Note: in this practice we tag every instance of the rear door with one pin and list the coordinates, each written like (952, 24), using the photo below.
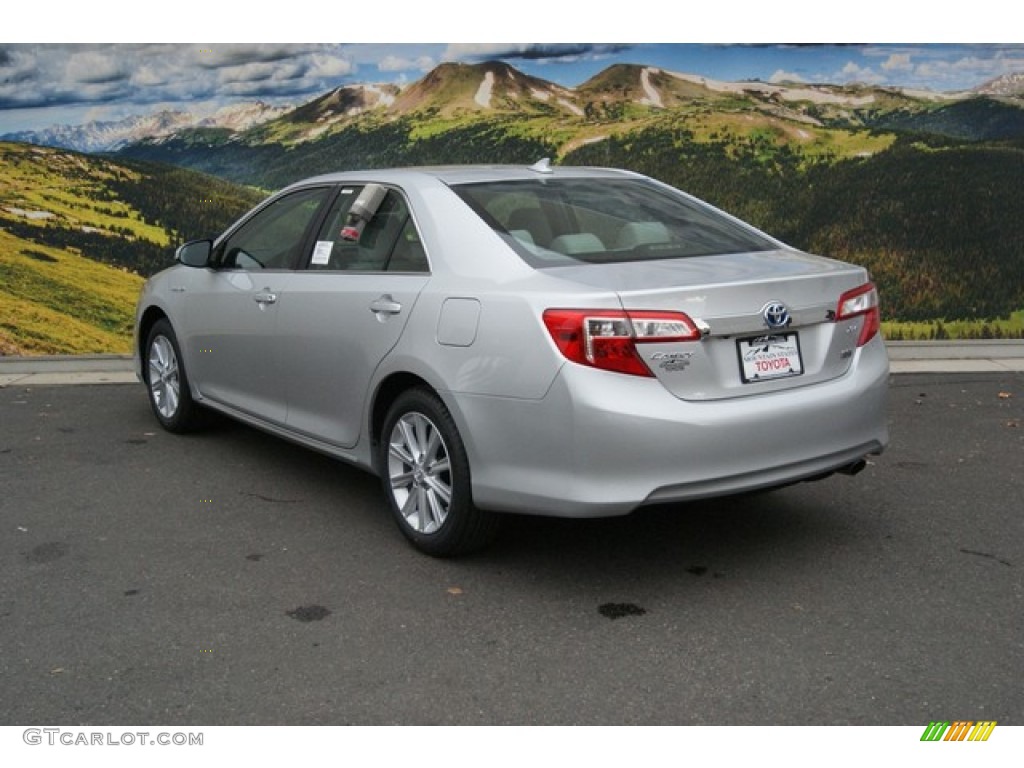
(341, 314)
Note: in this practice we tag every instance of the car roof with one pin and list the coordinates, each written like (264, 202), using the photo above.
(465, 174)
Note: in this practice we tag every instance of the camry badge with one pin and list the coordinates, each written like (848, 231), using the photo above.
(776, 314)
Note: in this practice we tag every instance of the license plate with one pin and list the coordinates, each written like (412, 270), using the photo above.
(770, 357)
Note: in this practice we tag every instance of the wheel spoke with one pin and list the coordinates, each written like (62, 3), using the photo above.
(410, 440)
(401, 480)
(422, 510)
(440, 490)
(409, 505)
(171, 400)
(433, 443)
(400, 452)
(438, 467)
(438, 512)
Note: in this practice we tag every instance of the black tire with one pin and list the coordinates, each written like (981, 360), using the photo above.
(424, 470)
(167, 382)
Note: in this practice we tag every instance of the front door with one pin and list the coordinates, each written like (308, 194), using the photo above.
(232, 308)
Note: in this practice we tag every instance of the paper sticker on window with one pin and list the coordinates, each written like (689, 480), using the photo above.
(322, 252)
(347, 191)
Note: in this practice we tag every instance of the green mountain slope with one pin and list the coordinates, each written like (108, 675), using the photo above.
(77, 234)
(977, 119)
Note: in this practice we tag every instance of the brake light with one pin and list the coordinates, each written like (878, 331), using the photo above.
(607, 339)
(861, 301)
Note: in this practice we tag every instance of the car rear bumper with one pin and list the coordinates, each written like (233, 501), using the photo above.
(602, 444)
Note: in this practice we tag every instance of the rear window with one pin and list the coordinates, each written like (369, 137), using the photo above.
(555, 222)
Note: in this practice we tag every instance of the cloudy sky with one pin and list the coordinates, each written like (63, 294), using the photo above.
(46, 84)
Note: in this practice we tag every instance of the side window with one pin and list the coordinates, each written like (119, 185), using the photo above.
(388, 242)
(272, 238)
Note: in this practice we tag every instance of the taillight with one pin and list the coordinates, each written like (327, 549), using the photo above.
(861, 301)
(607, 339)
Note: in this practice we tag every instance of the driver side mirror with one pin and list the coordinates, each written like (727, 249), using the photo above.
(195, 253)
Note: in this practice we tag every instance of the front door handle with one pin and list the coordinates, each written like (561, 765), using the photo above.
(385, 305)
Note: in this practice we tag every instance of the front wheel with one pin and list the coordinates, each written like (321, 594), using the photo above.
(425, 472)
(166, 381)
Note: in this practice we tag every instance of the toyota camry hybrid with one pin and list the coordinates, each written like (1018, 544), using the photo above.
(575, 342)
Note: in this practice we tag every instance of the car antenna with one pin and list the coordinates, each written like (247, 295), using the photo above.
(542, 166)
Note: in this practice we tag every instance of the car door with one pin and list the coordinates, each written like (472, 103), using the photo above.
(232, 308)
(345, 311)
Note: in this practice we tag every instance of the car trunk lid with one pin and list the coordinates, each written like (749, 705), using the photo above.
(768, 318)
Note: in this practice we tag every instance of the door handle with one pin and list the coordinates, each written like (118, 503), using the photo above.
(266, 296)
(385, 305)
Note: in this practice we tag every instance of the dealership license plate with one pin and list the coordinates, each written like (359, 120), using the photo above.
(770, 357)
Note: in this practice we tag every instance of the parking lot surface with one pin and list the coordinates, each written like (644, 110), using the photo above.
(232, 578)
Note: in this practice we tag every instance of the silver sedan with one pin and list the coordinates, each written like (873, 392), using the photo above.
(558, 341)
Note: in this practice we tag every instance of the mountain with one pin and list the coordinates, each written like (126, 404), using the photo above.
(489, 87)
(316, 117)
(979, 118)
(112, 135)
(79, 232)
(1011, 84)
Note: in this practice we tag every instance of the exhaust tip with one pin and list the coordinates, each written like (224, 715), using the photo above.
(855, 468)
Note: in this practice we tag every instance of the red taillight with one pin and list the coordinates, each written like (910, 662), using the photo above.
(861, 301)
(606, 338)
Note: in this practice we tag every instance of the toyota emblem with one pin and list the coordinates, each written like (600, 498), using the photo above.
(775, 314)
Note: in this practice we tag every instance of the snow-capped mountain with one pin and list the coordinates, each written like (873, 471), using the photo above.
(1011, 84)
(108, 136)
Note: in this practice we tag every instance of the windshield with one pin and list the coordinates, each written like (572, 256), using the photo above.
(555, 222)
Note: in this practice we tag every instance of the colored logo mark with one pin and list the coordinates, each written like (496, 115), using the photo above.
(959, 730)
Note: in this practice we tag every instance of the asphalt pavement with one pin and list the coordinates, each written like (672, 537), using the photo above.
(232, 578)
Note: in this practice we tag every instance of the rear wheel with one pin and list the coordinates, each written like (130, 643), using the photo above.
(425, 472)
(167, 382)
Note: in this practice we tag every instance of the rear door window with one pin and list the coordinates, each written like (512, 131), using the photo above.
(388, 242)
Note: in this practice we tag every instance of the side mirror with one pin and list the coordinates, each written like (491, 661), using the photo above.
(195, 253)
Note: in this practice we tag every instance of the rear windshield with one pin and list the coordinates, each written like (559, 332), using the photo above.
(555, 222)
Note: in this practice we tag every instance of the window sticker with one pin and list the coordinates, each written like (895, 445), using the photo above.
(322, 252)
(347, 191)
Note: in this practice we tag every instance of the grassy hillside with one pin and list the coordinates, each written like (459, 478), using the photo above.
(77, 235)
(54, 301)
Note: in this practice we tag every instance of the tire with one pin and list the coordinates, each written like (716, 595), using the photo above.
(425, 473)
(166, 381)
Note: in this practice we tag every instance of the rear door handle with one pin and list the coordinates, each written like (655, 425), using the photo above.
(266, 296)
(385, 305)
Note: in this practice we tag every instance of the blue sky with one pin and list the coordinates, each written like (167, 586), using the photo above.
(71, 83)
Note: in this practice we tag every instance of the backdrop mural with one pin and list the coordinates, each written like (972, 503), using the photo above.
(907, 159)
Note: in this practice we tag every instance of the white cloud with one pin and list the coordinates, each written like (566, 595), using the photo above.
(897, 62)
(393, 63)
(855, 73)
(782, 76)
(330, 65)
